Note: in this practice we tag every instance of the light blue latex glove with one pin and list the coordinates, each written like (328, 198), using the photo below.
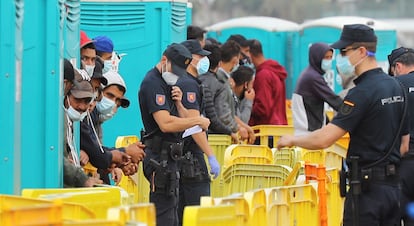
(214, 166)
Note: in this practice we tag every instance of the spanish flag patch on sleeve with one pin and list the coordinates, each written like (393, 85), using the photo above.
(346, 107)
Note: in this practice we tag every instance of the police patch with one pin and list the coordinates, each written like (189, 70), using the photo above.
(191, 97)
(160, 99)
(346, 107)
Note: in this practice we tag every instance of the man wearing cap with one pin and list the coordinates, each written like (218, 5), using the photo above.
(194, 176)
(100, 156)
(163, 130)
(76, 103)
(373, 114)
(401, 61)
(104, 48)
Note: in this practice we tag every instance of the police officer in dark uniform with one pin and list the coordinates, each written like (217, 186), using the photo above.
(401, 63)
(195, 179)
(373, 114)
(163, 130)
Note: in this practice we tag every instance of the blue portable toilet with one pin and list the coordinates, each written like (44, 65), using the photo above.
(331, 27)
(32, 130)
(11, 17)
(71, 32)
(279, 39)
(142, 29)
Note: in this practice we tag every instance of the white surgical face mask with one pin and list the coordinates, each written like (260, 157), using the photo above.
(107, 66)
(89, 69)
(73, 114)
(203, 65)
(105, 106)
(326, 65)
(169, 77)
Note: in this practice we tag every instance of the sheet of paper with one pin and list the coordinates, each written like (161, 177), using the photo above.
(192, 130)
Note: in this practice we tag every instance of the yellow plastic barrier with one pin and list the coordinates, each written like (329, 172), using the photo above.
(136, 185)
(286, 156)
(246, 177)
(139, 213)
(210, 216)
(218, 143)
(241, 207)
(16, 211)
(93, 223)
(275, 131)
(334, 200)
(303, 205)
(257, 206)
(277, 206)
(244, 153)
(90, 170)
(98, 199)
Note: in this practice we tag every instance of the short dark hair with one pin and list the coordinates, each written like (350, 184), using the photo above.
(229, 50)
(240, 39)
(89, 46)
(215, 55)
(406, 59)
(370, 46)
(195, 32)
(242, 74)
(255, 47)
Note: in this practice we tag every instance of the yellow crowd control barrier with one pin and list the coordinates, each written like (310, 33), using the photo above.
(246, 177)
(136, 185)
(277, 206)
(244, 153)
(140, 214)
(94, 223)
(210, 216)
(303, 205)
(274, 132)
(286, 156)
(19, 211)
(98, 199)
(218, 143)
(335, 202)
(257, 206)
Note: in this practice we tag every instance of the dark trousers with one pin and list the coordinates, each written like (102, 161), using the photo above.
(165, 204)
(407, 189)
(192, 190)
(190, 195)
(377, 207)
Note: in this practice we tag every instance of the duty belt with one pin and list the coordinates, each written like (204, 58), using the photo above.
(157, 144)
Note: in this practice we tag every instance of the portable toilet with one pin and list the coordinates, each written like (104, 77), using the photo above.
(11, 17)
(279, 39)
(30, 87)
(331, 27)
(141, 29)
(71, 31)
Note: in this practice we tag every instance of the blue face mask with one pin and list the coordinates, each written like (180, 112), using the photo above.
(107, 66)
(344, 66)
(89, 69)
(73, 114)
(203, 65)
(103, 118)
(326, 65)
(105, 106)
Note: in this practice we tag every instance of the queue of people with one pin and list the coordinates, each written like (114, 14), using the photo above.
(201, 87)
